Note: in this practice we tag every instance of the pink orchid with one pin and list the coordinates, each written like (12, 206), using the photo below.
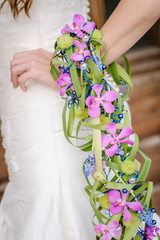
(108, 231)
(80, 52)
(106, 140)
(94, 102)
(64, 81)
(78, 24)
(152, 232)
(118, 204)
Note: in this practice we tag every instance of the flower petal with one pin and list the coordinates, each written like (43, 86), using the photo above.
(88, 27)
(79, 34)
(90, 100)
(76, 56)
(126, 141)
(108, 107)
(125, 132)
(94, 110)
(135, 206)
(124, 196)
(115, 210)
(109, 96)
(112, 150)
(87, 53)
(79, 44)
(113, 196)
(106, 236)
(78, 20)
(105, 140)
(66, 29)
(157, 230)
(60, 82)
(62, 90)
(64, 79)
(97, 228)
(127, 215)
(111, 128)
(113, 225)
(98, 89)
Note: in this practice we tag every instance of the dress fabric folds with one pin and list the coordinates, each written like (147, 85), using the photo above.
(45, 197)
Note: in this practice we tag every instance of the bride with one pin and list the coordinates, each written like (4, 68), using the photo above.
(41, 200)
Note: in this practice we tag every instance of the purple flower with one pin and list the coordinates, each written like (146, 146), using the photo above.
(64, 81)
(106, 140)
(119, 204)
(93, 103)
(108, 231)
(120, 151)
(78, 24)
(151, 232)
(80, 52)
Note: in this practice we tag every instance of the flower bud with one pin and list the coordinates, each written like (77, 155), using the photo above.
(97, 34)
(64, 41)
(128, 167)
(104, 202)
(80, 114)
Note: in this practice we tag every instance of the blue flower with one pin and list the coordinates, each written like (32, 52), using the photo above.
(146, 216)
(89, 165)
(120, 151)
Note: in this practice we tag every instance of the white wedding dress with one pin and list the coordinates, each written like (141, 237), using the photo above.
(45, 197)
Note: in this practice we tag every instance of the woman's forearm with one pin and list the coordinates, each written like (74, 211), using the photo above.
(128, 23)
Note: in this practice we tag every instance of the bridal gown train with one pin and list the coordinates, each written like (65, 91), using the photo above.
(45, 197)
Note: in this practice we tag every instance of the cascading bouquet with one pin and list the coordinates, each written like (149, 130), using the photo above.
(118, 193)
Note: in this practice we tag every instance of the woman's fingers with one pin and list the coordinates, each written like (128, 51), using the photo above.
(31, 65)
(46, 53)
(23, 78)
(17, 70)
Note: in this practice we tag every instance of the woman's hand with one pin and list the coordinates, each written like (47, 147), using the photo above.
(34, 65)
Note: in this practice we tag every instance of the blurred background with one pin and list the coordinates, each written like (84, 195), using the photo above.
(144, 102)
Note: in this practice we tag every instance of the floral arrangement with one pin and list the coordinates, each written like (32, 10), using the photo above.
(118, 193)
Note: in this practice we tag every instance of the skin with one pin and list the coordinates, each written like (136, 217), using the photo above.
(128, 23)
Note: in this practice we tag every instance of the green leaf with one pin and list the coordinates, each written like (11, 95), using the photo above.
(128, 68)
(119, 186)
(114, 72)
(124, 75)
(135, 147)
(95, 70)
(65, 130)
(127, 122)
(55, 52)
(56, 61)
(97, 145)
(54, 72)
(148, 194)
(82, 102)
(113, 165)
(132, 230)
(71, 120)
(146, 167)
(73, 71)
(97, 213)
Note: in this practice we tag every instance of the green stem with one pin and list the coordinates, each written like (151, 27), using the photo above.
(123, 182)
(97, 145)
